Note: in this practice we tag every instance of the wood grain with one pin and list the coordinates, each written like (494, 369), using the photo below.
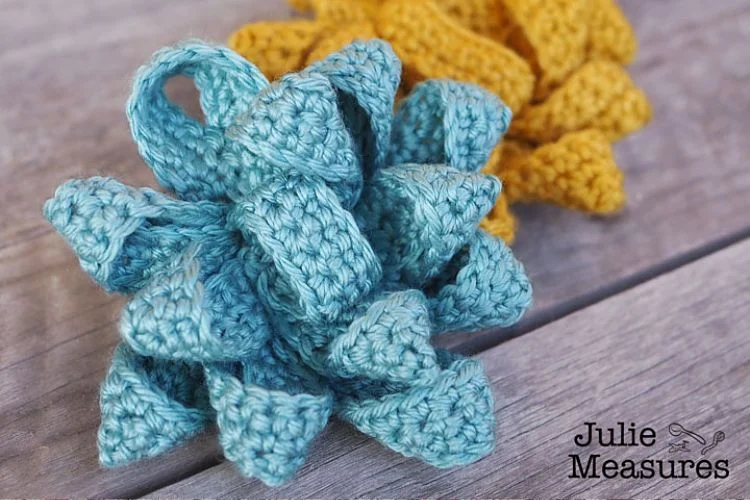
(674, 349)
(66, 68)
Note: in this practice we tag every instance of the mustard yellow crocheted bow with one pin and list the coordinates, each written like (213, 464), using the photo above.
(558, 65)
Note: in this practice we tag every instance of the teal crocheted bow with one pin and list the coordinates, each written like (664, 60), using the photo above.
(315, 244)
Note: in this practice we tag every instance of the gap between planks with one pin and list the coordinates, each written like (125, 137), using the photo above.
(41, 159)
(673, 349)
(540, 320)
(475, 345)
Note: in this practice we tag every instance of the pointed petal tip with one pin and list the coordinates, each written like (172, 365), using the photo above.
(148, 407)
(271, 449)
(390, 342)
(95, 216)
(460, 394)
(484, 287)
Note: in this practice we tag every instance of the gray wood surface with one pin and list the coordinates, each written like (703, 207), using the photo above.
(675, 349)
(66, 68)
(65, 72)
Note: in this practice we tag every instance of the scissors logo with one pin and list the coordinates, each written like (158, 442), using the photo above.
(678, 430)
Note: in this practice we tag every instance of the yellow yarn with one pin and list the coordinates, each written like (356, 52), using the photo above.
(555, 63)
(551, 35)
(276, 47)
(431, 44)
(500, 221)
(338, 11)
(589, 96)
(627, 113)
(578, 171)
(340, 37)
(488, 18)
(610, 34)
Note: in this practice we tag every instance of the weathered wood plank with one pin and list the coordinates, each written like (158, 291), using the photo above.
(674, 349)
(66, 69)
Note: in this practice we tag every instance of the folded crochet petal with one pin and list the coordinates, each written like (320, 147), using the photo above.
(447, 422)
(579, 103)
(329, 12)
(295, 125)
(484, 287)
(339, 36)
(124, 235)
(431, 44)
(442, 121)
(184, 314)
(500, 222)
(391, 341)
(148, 406)
(578, 171)
(489, 18)
(628, 112)
(551, 35)
(366, 76)
(325, 263)
(610, 34)
(197, 161)
(266, 418)
(417, 217)
(276, 47)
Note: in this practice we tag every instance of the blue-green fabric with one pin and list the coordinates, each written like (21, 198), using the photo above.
(311, 244)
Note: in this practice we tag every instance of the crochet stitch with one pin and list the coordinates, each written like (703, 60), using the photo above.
(556, 64)
(316, 243)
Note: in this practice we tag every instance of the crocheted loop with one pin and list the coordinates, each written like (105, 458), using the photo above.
(366, 76)
(333, 12)
(488, 18)
(326, 264)
(629, 112)
(148, 407)
(484, 287)
(123, 236)
(597, 83)
(417, 216)
(295, 125)
(339, 36)
(442, 121)
(449, 422)
(390, 342)
(193, 159)
(276, 47)
(610, 34)
(551, 35)
(266, 429)
(212, 317)
(433, 45)
(577, 172)
(325, 322)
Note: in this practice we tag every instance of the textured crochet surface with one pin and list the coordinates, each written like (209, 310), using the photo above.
(312, 244)
(557, 64)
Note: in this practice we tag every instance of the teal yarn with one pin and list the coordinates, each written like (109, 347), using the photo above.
(444, 122)
(266, 429)
(446, 422)
(148, 406)
(315, 243)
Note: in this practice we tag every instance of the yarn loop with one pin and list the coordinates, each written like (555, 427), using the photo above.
(314, 244)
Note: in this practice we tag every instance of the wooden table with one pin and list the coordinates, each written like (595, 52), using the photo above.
(641, 318)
